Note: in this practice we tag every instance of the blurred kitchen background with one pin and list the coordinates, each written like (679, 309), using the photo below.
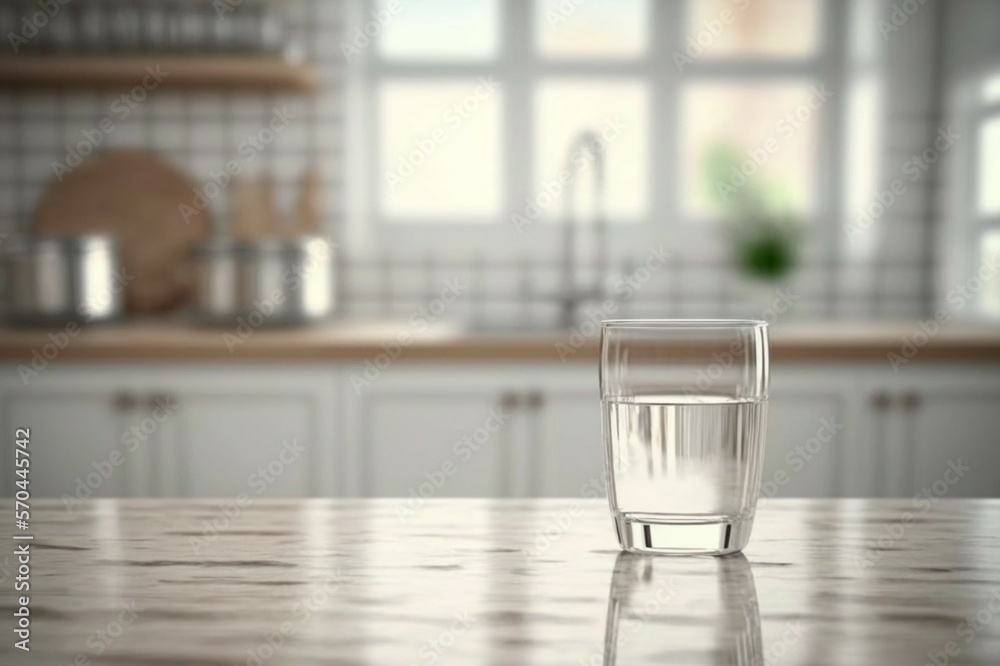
(486, 177)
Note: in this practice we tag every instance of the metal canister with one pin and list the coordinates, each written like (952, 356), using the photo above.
(287, 280)
(58, 279)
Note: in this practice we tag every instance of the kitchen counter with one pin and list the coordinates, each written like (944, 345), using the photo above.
(361, 341)
(158, 582)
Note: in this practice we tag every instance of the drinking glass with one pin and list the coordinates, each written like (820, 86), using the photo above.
(716, 597)
(684, 405)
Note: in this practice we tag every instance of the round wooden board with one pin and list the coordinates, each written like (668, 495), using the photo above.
(148, 204)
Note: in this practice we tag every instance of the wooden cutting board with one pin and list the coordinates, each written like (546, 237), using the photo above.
(148, 204)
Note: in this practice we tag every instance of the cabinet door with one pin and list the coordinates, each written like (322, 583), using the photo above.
(79, 418)
(950, 434)
(232, 443)
(189, 432)
(74, 446)
(567, 452)
(259, 432)
(811, 416)
(427, 431)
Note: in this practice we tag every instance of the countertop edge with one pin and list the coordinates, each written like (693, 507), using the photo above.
(139, 343)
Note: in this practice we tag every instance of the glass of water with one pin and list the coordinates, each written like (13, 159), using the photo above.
(684, 406)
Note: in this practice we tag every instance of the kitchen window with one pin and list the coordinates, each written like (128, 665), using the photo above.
(474, 105)
(986, 209)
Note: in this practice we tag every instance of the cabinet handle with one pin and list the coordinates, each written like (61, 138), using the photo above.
(534, 400)
(509, 400)
(124, 401)
(161, 400)
(912, 400)
(881, 401)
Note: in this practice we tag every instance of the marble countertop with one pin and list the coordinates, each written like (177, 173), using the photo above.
(360, 341)
(352, 582)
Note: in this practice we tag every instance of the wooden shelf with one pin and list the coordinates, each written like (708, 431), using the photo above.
(207, 72)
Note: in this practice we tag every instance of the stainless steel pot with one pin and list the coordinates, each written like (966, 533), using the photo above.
(215, 272)
(267, 281)
(59, 279)
(287, 280)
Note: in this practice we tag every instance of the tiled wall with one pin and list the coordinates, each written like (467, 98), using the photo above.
(196, 131)
(199, 132)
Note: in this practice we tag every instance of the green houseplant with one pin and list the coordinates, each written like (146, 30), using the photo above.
(762, 233)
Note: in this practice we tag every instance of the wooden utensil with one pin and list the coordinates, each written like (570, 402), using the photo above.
(244, 214)
(252, 208)
(305, 220)
(268, 206)
(157, 212)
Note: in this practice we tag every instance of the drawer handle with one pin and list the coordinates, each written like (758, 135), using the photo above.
(124, 402)
(535, 400)
(912, 400)
(881, 401)
(509, 400)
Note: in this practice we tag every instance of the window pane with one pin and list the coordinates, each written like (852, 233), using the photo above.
(440, 30)
(991, 88)
(746, 143)
(768, 28)
(861, 165)
(591, 29)
(989, 167)
(991, 287)
(618, 112)
(440, 151)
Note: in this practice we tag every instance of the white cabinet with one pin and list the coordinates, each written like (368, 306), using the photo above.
(86, 428)
(567, 448)
(145, 431)
(943, 431)
(432, 431)
(902, 433)
(472, 430)
(236, 443)
(813, 420)
(263, 432)
(833, 431)
(75, 448)
(486, 431)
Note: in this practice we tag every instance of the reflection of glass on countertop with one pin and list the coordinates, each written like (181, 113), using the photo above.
(683, 610)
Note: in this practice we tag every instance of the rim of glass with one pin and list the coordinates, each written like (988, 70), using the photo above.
(683, 323)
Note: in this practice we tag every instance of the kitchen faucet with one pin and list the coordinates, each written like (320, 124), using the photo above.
(585, 142)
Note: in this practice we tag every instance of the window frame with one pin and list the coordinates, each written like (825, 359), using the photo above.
(980, 224)
(520, 67)
(962, 226)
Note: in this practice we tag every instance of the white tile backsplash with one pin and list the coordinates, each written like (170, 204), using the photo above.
(200, 132)
(127, 134)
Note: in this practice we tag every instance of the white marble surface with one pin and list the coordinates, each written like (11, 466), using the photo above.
(502, 582)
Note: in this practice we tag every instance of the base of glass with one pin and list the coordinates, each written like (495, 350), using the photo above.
(681, 535)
